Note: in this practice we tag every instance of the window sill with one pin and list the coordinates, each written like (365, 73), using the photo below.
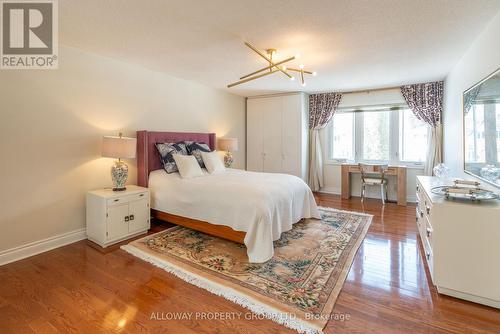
(338, 163)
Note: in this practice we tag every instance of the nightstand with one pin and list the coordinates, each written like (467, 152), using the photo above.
(113, 216)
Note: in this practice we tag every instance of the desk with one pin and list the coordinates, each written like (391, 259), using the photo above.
(398, 171)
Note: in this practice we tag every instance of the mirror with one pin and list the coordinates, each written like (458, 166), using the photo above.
(481, 109)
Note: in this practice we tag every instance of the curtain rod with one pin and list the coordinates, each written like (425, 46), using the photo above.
(375, 89)
(370, 90)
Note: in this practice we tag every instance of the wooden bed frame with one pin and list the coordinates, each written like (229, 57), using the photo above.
(148, 160)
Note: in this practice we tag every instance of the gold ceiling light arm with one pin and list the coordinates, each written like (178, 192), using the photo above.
(270, 67)
(267, 59)
(299, 70)
(273, 67)
(251, 78)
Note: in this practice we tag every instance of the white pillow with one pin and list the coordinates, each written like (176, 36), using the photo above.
(188, 166)
(212, 162)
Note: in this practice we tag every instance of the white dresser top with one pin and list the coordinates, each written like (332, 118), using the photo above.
(429, 182)
(109, 193)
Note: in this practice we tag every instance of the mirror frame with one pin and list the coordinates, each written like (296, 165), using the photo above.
(463, 128)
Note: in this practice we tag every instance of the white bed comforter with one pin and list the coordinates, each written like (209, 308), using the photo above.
(263, 205)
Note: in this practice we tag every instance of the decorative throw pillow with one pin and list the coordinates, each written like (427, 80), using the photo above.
(195, 148)
(166, 151)
(188, 166)
(213, 162)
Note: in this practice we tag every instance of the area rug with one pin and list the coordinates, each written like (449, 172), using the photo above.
(297, 288)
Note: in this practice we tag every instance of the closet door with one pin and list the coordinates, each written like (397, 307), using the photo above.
(272, 129)
(292, 135)
(255, 148)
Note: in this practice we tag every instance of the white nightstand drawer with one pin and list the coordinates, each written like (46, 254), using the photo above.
(127, 199)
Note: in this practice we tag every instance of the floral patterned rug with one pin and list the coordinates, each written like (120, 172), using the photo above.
(298, 287)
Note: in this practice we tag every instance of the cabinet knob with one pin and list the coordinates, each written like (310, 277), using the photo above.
(429, 232)
(428, 209)
(428, 255)
(127, 218)
(131, 217)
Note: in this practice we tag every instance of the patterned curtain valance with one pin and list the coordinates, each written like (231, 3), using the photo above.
(321, 109)
(425, 100)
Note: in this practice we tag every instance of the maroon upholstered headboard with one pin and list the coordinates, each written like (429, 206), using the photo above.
(148, 158)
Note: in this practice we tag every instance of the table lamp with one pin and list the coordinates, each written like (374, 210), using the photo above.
(228, 145)
(119, 148)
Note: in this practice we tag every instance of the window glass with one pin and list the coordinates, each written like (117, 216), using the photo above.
(376, 135)
(412, 137)
(342, 144)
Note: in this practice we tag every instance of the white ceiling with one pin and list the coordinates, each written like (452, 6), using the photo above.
(352, 44)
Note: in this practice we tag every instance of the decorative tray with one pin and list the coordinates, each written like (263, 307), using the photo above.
(456, 192)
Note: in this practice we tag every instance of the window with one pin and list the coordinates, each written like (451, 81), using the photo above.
(390, 134)
(412, 137)
(376, 135)
(343, 137)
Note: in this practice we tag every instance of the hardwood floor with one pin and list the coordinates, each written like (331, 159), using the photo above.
(78, 289)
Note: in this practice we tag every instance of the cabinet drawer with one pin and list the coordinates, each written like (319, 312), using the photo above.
(428, 231)
(429, 258)
(426, 204)
(126, 199)
(420, 219)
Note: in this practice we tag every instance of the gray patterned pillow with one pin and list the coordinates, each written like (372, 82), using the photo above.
(166, 151)
(195, 149)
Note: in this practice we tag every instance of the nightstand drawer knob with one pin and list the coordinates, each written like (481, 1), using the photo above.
(131, 217)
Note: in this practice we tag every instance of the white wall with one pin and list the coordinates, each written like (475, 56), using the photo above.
(481, 59)
(52, 121)
(332, 172)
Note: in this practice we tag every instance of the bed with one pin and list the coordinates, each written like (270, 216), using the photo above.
(246, 207)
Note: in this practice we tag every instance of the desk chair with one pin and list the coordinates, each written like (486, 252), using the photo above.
(374, 175)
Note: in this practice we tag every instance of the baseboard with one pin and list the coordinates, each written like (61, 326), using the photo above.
(330, 190)
(336, 191)
(469, 297)
(40, 246)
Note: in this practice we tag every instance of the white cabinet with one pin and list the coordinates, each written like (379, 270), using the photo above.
(115, 216)
(277, 134)
(461, 244)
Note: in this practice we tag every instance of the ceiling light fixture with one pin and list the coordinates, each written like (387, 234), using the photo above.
(272, 68)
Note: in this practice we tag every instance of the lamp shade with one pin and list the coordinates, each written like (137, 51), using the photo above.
(228, 144)
(118, 147)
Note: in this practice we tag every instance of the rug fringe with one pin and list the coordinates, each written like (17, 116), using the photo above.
(227, 293)
(345, 211)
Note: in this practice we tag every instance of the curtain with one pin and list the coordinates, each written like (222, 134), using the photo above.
(426, 102)
(321, 110)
